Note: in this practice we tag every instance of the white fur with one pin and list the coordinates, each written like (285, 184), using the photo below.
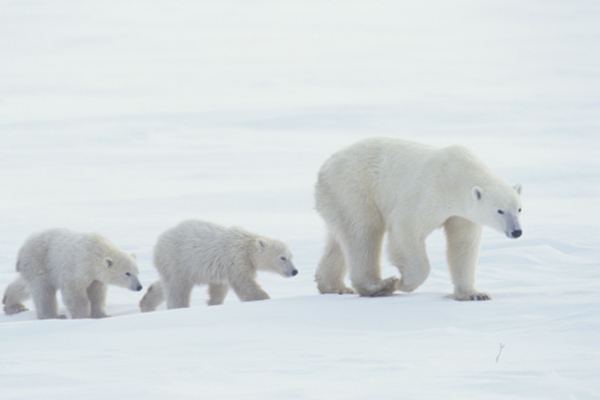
(14, 296)
(407, 190)
(80, 265)
(196, 252)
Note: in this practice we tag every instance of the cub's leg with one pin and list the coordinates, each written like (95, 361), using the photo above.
(77, 301)
(97, 295)
(217, 293)
(179, 293)
(44, 298)
(247, 289)
(155, 296)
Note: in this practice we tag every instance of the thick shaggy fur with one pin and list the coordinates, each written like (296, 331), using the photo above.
(197, 252)
(406, 190)
(80, 265)
(14, 296)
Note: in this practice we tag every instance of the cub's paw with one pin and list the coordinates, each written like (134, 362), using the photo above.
(474, 296)
(14, 309)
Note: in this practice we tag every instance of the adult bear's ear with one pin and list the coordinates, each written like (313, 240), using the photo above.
(260, 244)
(109, 262)
(518, 188)
(133, 256)
(477, 192)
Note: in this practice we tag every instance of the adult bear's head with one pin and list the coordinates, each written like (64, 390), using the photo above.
(498, 206)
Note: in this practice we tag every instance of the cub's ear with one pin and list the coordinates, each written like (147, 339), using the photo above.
(109, 262)
(518, 188)
(260, 244)
(477, 192)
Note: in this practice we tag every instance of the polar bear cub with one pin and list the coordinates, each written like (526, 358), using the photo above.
(80, 265)
(196, 252)
(406, 190)
(14, 296)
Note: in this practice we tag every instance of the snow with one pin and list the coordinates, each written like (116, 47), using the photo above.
(126, 117)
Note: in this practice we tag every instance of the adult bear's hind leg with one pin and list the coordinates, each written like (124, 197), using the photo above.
(409, 255)
(362, 252)
(331, 270)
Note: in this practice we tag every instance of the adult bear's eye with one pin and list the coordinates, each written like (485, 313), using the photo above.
(500, 212)
(519, 210)
(283, 258)
(127, 273)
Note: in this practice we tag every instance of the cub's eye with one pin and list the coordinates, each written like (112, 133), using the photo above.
(282, 258)
(519, 210)
(127, 273)
(500, 212)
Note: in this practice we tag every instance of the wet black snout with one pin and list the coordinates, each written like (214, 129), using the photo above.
(517, 233)
(139, 287)
(295, 272)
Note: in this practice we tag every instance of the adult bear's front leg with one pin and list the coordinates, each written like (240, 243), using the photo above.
(463, 238)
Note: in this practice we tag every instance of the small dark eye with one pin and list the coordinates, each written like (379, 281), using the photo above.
(283, 258)
(127, 273)
(519, 210)
(500, 212)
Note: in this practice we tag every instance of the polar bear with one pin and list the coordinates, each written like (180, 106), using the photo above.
(80, 265)
(407, 190)
(14, 296)
(196, 252)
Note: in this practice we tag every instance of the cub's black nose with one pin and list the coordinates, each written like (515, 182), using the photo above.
(516, 233)
(295, 272)
(139, 287)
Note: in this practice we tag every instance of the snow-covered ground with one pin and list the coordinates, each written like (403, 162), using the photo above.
(126, 117)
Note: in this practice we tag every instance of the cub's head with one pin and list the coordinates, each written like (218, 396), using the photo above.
(272, 255)
(122, 270)
(499, 207)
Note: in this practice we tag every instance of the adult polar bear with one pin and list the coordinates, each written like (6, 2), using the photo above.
(408, 190)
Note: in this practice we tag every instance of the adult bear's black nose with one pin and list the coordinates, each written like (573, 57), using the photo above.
(295, 272)
(515, 234)
(139, 287)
